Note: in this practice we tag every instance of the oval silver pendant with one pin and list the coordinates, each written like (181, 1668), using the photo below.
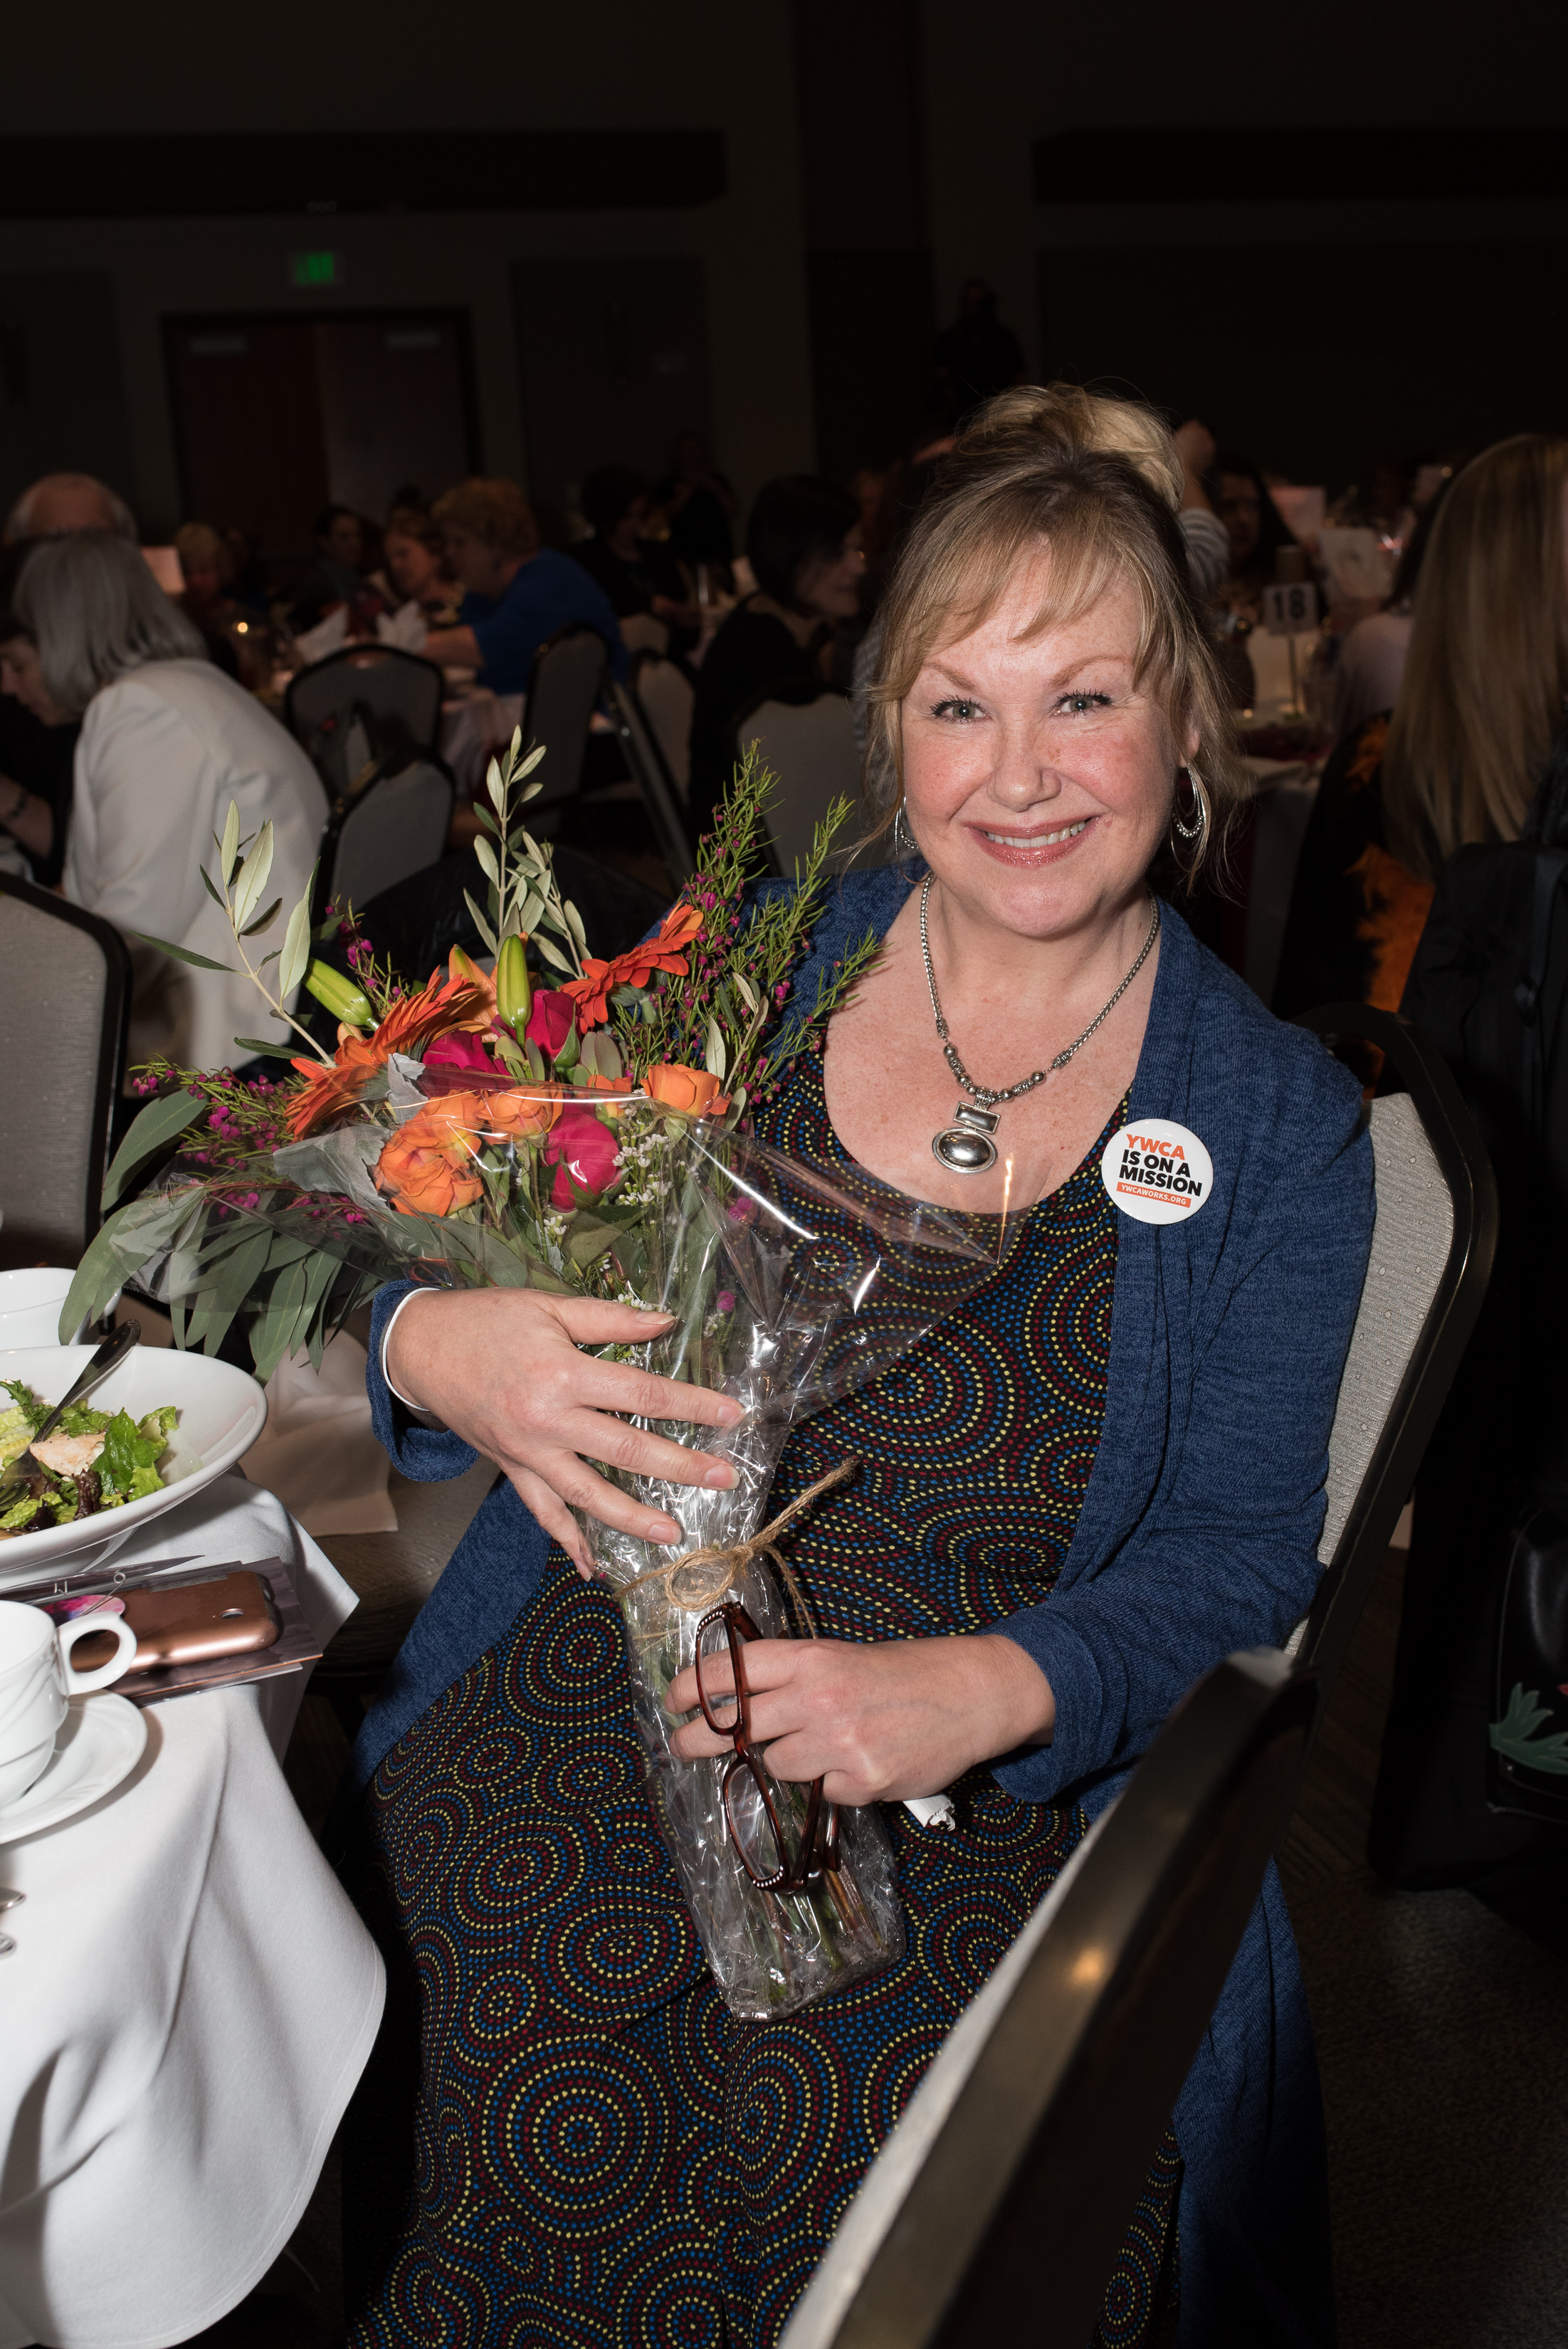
(965, 1146)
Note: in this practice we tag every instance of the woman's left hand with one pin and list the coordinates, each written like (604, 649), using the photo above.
(878, 1721)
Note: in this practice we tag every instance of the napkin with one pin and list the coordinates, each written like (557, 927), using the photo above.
(406, 628)
(328, 636)
(317, 1452)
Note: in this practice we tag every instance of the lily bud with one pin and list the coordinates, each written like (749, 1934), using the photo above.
(513, 991)
(345, 1001)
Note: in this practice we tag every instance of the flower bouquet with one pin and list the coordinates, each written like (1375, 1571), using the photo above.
(582, 1126)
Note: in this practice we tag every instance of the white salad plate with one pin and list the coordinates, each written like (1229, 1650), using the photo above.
(221, 1412)
(101, 1740)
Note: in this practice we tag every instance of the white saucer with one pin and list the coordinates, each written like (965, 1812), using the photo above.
(101, 1743)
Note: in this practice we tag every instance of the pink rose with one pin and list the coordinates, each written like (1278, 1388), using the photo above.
(581, 1147)
(551, 1022)
(458, 1051)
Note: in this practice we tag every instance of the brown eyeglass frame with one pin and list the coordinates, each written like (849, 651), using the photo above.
(819, 1836)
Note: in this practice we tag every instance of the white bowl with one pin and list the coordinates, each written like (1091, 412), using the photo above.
(30, 1303)
(221, 1412)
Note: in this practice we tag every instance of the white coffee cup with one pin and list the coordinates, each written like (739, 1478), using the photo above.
(30, 1303)
(36, 1676)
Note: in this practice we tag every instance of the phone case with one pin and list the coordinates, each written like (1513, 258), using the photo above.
(229, 1616)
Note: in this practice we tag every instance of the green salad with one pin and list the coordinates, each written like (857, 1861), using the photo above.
(94, 1460)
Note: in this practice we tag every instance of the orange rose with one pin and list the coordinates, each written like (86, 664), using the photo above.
(691, 1090)
(589, 1080)
(427, 1167)
(523, 1114)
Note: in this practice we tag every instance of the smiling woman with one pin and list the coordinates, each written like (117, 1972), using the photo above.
(1087, 1486)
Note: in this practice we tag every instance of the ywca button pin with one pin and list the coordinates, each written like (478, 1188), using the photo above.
(1156, 1171)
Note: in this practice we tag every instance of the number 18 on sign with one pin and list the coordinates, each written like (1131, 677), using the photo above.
(1290, 609)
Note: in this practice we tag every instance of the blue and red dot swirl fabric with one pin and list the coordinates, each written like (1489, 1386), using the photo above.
(564, 2140)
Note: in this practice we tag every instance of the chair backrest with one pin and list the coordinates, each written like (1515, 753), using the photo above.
(390, 700)
(1054, 2088)
(64, 1001)
(810, 747)
(640, 747)
(668, 699)
(394, 827)
(565, 688)
(1432, 1249)
(643, 632)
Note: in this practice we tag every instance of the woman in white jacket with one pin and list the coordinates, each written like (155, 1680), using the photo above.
(167, 742)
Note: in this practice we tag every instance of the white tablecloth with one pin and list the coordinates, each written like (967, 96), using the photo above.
(472, 730)
(190, 2005)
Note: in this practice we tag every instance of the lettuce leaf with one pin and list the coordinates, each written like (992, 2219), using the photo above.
(125, 1451)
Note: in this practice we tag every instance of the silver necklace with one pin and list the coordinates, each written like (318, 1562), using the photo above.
(965, 1146)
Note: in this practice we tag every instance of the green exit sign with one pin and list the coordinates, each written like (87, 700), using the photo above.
(316, 269)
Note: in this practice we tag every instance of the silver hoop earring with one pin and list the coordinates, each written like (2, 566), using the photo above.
(904, 840)
(1192, 831)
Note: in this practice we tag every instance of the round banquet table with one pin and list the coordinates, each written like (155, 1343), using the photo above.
(189, 2004)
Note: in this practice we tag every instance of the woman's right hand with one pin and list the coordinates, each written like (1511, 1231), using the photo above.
(502, 1368)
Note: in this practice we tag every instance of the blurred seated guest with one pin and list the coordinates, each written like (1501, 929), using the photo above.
(60, 503)
(35, 755)
(637, 573)
(803, 543)
(518, 593)
(167, 742)
(338, 576)
(204, 565)
(414, 567)
(976, 357)
(247, 579)
(1255, 528)
(1208, 542)
(1457, 762)
(1370, 665)
(699, 504)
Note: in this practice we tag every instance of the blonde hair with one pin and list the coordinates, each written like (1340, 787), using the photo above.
(1487, 672)
(200, 548)
(1100, 481)
(496, 512)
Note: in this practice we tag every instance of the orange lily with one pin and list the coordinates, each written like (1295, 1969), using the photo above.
(663, 951)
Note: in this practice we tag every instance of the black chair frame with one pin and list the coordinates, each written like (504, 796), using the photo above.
(113, 1039)
(349, 803)
(649, 770)
(1423, 1390)
(1069, 2097)
(351, 657)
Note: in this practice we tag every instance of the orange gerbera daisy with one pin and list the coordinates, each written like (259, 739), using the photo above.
(439, 1007)
(663, 951)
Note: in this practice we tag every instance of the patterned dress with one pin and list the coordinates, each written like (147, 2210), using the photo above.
(565, 2139)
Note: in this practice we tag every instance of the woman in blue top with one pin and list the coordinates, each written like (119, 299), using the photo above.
(1082, 1490)
(519, 594)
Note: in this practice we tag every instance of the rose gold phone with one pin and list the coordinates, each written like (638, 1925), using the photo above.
(227, 1618)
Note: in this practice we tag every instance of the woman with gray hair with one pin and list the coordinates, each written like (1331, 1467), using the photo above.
(167, 741)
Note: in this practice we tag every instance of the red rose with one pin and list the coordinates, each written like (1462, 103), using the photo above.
(551, 1022)
(581, 1147)
(458, 1051)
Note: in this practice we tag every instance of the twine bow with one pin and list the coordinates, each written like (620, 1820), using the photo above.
(703, 1578)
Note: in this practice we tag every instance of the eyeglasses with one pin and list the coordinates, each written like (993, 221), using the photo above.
(787, 1836)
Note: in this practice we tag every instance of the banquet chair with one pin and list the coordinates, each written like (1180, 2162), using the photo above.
(665, 691)
(565, 687)
(640, 749)
(1054, 2088)
(366, 701)
(644, 632)
(810, 747)
(64, 1001)
(1433, 1248)
(393, 826)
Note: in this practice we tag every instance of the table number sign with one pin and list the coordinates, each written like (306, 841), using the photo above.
(1290, 608)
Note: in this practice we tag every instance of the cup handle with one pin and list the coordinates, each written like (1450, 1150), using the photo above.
(83, 1683)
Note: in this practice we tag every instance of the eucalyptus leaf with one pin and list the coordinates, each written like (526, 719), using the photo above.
(252, 878)
(230, 846)
(528, 913)
(715, 1059)
(216, 894)
(150, 1130)
(487, 859)
(182, 953)
(274, 1327)
(128, 1241)
(533, 757)
(296, 948)
(494, 785)
(269, 1052)
(551, 953)
(574, 924)
(262, 921)
(744, 989)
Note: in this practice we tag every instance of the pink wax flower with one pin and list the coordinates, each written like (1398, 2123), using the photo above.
(551, 1022)
(578, 1146)
(724, 1300)
(458, 1051)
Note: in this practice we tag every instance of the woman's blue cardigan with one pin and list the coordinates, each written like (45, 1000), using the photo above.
(1198, 1536)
